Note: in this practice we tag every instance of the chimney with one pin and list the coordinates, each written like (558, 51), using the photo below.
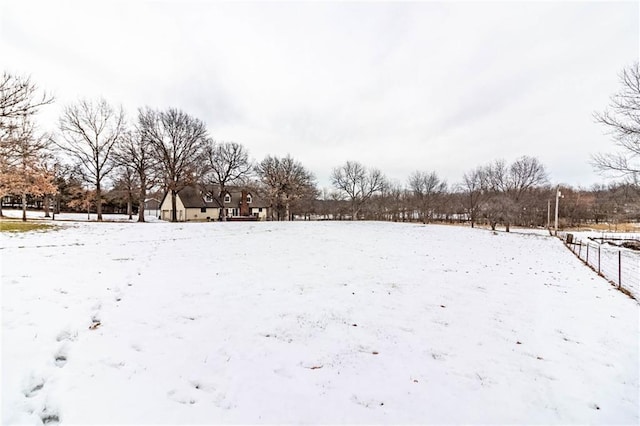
(244, 206)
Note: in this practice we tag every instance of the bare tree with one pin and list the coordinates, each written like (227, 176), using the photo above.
(509, 184)
(394, 200)
(89, 132)
(474, 188)
(358, 183)
(19, 97)
(285, 180)
(134, 151)
(126, 183)
(50, 167)
(427, 188)
(177, 141)
(525, 174)
(7, 163)
(622, 121)
(23, 168)
(227, 163)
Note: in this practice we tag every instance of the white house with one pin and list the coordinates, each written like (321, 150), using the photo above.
(202, 204)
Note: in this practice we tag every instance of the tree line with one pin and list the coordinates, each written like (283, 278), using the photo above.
(98, 155)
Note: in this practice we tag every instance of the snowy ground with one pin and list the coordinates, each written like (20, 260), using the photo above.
(621, 266)
(78, 217)
(322, 322)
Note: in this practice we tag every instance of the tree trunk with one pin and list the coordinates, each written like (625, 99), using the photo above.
(507, 226)
(287, 212)
(130, 207)
(223, 212)
(46, 202)
(143, 195)
(98, 203)
(24, 207)
(174, 206)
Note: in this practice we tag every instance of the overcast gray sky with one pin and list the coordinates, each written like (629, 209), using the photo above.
(430, 86)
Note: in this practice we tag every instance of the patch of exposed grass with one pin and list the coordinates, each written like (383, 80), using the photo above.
(609, 227)
(19, 226)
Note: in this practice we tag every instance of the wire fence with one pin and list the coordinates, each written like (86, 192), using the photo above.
(621, 266)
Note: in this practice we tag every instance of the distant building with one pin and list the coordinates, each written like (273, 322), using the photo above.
(198, 203)
(152, 207)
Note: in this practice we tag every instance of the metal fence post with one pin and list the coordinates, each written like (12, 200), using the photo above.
(598, 258)
(588, 253)
(580, 250)
(619, 268)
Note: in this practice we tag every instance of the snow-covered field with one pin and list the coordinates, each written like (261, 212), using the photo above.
(79, 217)
(321, 322)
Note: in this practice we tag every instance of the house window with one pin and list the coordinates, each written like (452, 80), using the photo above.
(227, 198)
(208, 198)
(248, 198)
(260, 209)
(203, 209)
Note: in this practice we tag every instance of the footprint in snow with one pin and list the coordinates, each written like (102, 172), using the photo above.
(60, 358)
(66, 334)
(49, 416)
(34, 386)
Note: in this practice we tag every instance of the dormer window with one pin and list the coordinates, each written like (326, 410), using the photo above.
(227, 198)
(208, 198)
(248, 198)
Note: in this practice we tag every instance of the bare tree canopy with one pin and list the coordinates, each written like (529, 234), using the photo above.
(89, 131)
(19, 97)
(227, 164)
(622, 121)
(524, 174)
(177, 141)
(134, 151)
(426, 188)
(285, 180)
(508, 185)
(126, 185)
(358, 183)
(474, 188)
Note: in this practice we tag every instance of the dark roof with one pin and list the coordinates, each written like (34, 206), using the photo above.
(194, 197)
(152, 204)
(236, 196)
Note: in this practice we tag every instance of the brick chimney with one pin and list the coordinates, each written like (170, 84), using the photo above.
(244, 206)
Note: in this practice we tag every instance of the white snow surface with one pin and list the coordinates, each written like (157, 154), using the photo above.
(77, 217)
(307, 323)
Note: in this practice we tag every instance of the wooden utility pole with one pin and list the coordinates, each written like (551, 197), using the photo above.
(558, 195)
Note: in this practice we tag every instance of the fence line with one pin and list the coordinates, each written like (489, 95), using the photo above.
(620, 266)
